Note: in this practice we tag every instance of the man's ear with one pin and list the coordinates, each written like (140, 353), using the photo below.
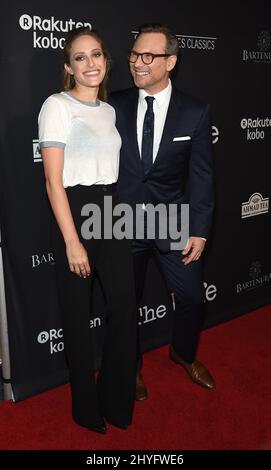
(171, 62)
(68, 69)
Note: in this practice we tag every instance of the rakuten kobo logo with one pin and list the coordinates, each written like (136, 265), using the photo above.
(53, 338)
(52, 27)
(255, 127)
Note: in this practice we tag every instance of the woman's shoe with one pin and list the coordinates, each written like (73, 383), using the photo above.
(100, 428)
(118, 425)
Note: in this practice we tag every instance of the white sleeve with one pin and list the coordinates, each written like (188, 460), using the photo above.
(53, 123)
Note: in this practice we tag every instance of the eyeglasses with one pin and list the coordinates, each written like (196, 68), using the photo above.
(146, 57)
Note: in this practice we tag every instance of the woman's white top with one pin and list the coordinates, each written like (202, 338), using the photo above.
(87, 133)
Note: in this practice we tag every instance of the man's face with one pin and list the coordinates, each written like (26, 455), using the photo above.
(153, 77)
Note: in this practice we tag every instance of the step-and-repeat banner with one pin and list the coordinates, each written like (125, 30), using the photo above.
(225, 59)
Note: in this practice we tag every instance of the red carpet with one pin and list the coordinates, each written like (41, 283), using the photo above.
(178, 414)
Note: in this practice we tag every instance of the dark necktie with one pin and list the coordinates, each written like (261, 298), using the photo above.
(147, 136)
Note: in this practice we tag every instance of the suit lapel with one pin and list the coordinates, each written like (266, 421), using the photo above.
(131, 127)
(172, 119)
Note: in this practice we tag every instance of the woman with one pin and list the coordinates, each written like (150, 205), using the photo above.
(80, 150)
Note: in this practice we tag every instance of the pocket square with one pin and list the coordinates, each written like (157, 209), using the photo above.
(185, 137)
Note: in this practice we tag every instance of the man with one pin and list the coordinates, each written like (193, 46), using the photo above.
(166, 157)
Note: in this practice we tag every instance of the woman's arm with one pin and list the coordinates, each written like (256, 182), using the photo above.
(53, 161)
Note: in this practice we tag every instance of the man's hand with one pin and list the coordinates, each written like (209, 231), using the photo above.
(195, 246)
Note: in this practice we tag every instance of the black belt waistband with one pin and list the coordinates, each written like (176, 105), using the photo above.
(99, 188)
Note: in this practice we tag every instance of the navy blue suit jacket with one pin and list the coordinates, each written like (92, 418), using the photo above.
(182, 171)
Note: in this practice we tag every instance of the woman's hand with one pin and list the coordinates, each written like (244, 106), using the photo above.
(78, 258)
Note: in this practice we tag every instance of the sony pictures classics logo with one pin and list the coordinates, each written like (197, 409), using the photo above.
(202, 43)
(263, 55)
(256, 205)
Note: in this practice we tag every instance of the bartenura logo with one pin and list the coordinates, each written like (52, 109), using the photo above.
(42, 258)
(254, 127)
(200, 43)
(257, 279)
(256, 205)
(263, 55)
(46, 30)
(54, 338)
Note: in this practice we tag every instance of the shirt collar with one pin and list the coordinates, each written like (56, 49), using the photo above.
(160, 97)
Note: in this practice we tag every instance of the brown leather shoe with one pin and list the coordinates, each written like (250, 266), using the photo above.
(141, 389)
(197, 371)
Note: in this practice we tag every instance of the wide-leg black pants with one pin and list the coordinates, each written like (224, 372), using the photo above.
(111, 260)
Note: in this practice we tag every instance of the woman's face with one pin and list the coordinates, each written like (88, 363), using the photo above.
(87, 62)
